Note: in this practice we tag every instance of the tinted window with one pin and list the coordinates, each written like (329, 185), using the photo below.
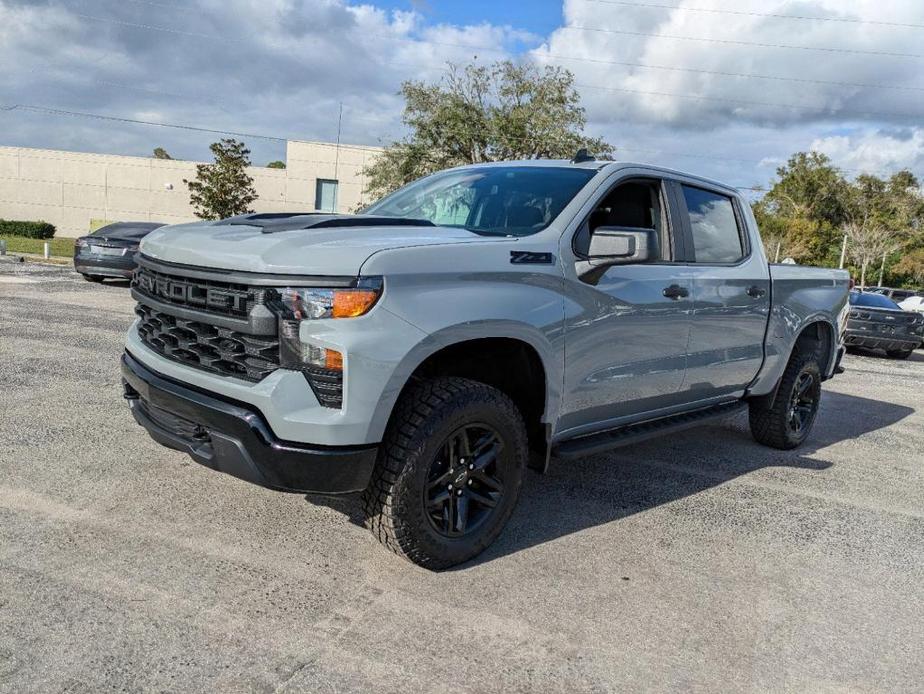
(632, 205)
(491, 200)
(715, 229)
(872, 300)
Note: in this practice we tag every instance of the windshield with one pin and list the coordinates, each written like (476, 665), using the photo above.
(497, 201)
(872, 300)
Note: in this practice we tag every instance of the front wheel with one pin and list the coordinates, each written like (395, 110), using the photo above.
(449, 472)
(786, 422)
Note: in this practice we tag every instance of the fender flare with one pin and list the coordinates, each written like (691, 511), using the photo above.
(448, 336)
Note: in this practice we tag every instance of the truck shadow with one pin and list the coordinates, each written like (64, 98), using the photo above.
(576, 495)
(581, 494)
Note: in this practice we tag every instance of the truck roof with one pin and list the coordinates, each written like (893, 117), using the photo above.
(600, 165)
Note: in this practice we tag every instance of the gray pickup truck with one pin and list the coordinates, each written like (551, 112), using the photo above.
(475, 323)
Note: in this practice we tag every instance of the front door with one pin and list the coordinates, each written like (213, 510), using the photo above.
(626, 330)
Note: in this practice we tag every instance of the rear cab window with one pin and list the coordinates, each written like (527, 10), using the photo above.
(714, 228)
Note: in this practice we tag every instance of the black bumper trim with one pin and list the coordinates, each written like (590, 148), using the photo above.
(888, 342)
(107, 267)
(233, 438)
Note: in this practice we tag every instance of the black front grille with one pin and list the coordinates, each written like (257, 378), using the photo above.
(208, 347)
(327, 385)
(212, 296)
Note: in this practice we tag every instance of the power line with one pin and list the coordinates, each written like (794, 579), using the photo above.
(494, 49)
(161, 124)
(774, 15)
(733, 42)
(668, 153)
(118, 119)
(805, 107)
(771, 104)
(748, 75)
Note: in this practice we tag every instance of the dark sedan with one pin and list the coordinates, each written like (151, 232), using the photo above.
(877, 322)
(110, 250)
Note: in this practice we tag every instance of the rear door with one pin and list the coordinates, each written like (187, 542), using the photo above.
(731, 293)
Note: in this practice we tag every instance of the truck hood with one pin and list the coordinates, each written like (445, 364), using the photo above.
(320, 251)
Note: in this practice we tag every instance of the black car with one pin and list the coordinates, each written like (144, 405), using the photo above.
(110, 250)
(877, 322)
(894, 294)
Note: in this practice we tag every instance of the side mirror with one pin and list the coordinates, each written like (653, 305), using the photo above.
(616, 246)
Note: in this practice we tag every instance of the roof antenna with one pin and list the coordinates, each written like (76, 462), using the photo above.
(582, 156)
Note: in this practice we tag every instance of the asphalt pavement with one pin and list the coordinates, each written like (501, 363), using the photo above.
(700, 561)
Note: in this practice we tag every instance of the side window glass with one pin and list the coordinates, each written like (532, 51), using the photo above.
(716, 238)
(632, 205)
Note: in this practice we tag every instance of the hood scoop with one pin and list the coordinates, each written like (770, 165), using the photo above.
(271, 222)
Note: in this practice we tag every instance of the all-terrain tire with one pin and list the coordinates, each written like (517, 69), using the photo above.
(772, 420)
(425, 418)
(899, 353)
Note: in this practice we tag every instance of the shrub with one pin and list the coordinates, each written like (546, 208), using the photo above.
(31, 230)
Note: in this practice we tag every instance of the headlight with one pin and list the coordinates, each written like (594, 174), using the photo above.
(297, 304)
(311, 304)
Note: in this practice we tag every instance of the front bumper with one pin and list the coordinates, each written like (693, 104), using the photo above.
(232, 437)
(114, 266)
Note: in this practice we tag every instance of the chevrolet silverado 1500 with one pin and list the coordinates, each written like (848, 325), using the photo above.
(472, 324)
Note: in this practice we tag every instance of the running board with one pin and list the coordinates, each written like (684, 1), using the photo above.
(641, 431)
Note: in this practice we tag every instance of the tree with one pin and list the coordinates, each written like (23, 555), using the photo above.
(223, 189)
(276, 165)
(911, 266)
(480, 114)
(868, 242)
(161, 153)
(806, 206)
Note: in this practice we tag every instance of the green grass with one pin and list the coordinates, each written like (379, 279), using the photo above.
(20, 244)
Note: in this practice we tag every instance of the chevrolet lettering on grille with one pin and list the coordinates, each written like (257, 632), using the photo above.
(192, 294)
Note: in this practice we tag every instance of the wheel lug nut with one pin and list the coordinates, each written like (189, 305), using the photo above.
(459, 493)
(449, 487)
(469, 483)
(471, 466)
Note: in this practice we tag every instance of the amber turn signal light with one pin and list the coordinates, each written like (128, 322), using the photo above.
(350, 303)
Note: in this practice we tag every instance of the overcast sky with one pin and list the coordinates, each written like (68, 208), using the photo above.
(669, 81)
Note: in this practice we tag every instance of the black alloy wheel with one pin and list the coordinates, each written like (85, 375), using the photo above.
(784, 419)
(803, 403)
(465, 482)
(449, 472)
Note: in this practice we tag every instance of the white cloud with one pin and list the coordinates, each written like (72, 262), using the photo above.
(686, 98)
(875, 151)
(277, 67)
(282, 67)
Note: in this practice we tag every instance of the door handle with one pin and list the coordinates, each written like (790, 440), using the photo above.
(675, 291)
(756, 292)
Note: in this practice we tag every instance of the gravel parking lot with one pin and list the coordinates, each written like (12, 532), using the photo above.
(701, 561)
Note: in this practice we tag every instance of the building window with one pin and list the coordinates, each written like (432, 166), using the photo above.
(325, 195)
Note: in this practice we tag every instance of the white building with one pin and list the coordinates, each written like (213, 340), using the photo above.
(72, 190)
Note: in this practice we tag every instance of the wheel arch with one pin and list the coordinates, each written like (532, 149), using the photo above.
(816, 335)
(513, 357)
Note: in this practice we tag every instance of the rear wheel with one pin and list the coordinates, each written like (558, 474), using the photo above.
(899, 353)
(449, 472)
(93, 278)
(786, 422)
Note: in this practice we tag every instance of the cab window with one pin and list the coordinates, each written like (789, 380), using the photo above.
(714, 226)
(630, 205)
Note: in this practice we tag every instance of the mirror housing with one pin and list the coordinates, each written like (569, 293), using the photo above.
(616, 246)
